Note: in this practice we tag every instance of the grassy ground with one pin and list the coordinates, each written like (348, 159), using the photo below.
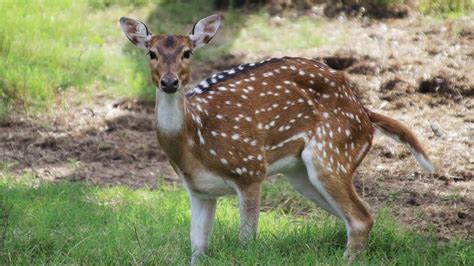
(74, 223)
(47, 47)
(59, 45)
(447, 8)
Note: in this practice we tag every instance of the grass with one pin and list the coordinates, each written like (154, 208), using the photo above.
(444, 9)
(388, 2)
(259, 35)
(47, 47)
(447, 8)
(75, 223)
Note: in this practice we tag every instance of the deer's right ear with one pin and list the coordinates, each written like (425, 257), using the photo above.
(136, 31)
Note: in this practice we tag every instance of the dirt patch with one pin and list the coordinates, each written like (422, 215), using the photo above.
(467, 32)
(365, 68)
(357, 8)
(447, 85)
(439, 85)
(394, 89)
(339, 61)
(352, 62)
(111, 143)
(396, 84)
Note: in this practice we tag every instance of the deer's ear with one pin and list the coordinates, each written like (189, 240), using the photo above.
(136, 31)
(204, 30)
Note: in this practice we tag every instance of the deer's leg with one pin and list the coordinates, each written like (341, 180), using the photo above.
(249, 207)
(360, 224)
(202, 218)
(338, 191)
(298, 178)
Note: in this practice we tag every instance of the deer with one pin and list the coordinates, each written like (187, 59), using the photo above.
(290, 115)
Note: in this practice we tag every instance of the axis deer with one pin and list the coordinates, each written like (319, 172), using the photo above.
(287, 115)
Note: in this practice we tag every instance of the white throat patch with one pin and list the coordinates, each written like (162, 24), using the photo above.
(169, 112)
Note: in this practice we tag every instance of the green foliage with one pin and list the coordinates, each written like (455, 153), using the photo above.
(43, 50)
(111, 3)
(74, 223)
(445, 8)
(259, 35)
(450, 7)
(388, 2)
(50, 46)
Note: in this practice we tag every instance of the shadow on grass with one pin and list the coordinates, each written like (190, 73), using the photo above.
(73, 223)
(64, 223)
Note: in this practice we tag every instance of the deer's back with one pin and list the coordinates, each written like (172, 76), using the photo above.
(250, 116)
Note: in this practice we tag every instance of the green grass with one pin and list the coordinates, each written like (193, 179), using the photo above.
(47, 47)
(50, 46)
(75, 223)
(259, 35)
(388, 2)
(447, 8)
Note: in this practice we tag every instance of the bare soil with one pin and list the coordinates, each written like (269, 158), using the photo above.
(418, 71)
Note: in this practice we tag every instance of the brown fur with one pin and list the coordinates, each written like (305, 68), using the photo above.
(305, 99)
(169, 50)
(393, 127)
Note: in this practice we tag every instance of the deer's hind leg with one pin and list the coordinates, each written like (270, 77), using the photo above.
(298, 178)
(337, 189)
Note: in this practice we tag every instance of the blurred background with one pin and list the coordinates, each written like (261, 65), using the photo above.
(49, 47)
(76, 103)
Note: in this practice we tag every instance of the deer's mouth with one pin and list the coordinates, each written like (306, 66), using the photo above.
(170, 90)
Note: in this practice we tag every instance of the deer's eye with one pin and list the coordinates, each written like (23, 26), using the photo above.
(187, 54)
(152, 55)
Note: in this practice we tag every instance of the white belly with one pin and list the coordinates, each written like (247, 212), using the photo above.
(283, 165)
(209, 184)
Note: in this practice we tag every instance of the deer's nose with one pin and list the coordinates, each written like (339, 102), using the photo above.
(169, 83)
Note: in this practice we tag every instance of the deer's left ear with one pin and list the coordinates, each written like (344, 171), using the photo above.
(204, 30)
(136, 31)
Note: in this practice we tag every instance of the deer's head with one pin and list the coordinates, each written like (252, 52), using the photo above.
(170, 54)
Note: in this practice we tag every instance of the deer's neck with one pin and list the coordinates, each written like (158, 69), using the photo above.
(170, 121)
(169, 113)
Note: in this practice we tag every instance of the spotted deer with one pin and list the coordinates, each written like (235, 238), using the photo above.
(292, 116)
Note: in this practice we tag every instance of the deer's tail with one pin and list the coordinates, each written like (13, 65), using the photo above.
(401, 133)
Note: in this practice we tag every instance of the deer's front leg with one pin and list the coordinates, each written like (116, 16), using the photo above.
(202, 218)
(249, 206)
